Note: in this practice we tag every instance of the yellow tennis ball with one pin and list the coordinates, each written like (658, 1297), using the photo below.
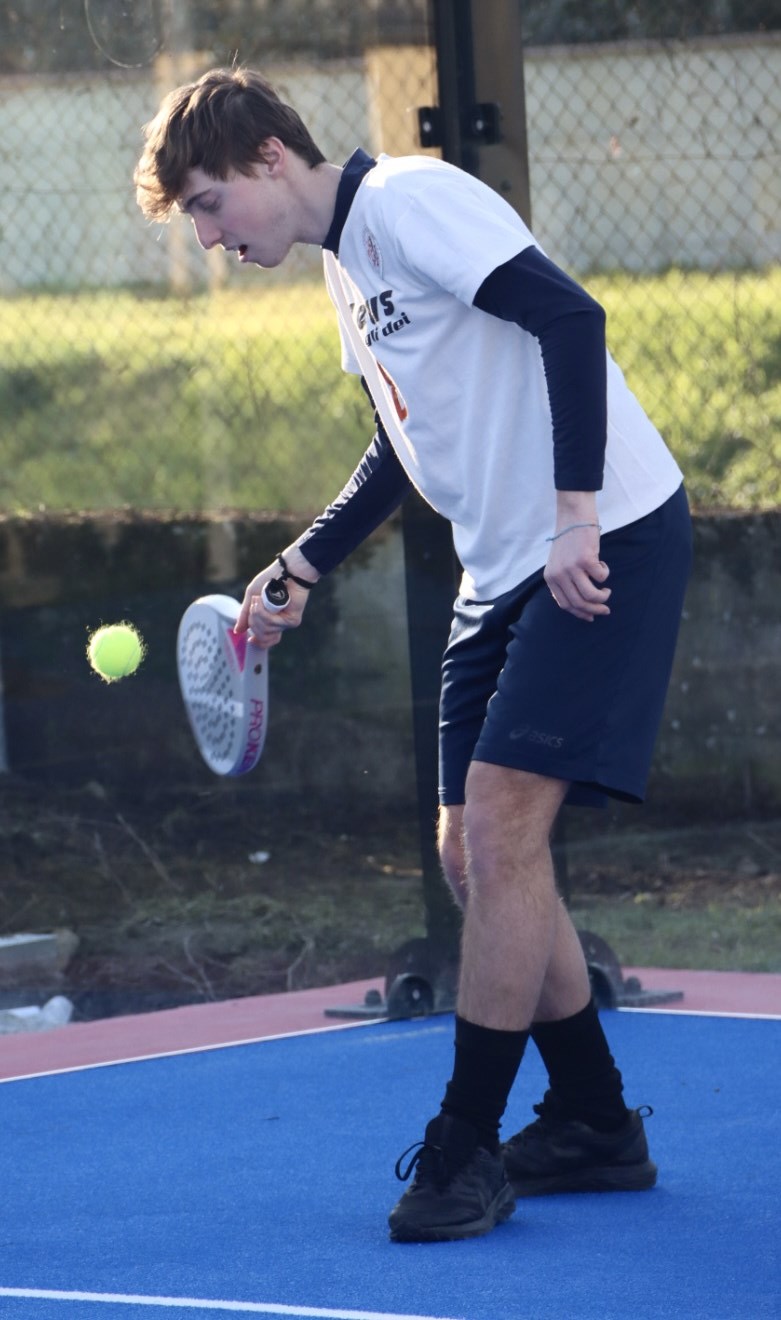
(115, 651)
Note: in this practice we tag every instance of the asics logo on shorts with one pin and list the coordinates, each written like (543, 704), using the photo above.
(525, 733)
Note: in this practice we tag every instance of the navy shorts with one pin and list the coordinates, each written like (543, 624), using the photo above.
(527, 685)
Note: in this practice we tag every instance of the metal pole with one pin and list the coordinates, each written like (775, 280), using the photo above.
(497, 45)
(479, 64)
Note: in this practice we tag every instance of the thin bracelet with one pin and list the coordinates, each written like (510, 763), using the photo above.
(572, 529)
(300, 582)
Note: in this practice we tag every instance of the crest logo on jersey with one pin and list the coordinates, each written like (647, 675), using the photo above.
(372, 249)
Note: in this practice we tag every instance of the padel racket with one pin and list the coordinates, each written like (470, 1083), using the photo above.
(224, 682)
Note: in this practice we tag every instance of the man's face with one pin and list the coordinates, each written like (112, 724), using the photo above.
(251, 215)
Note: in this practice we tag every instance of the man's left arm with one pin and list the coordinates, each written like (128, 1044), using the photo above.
(570, 329)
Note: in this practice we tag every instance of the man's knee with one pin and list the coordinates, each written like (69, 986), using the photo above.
(508, 814)
(450, 840)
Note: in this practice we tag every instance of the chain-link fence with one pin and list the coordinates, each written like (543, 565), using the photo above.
(137, 370)
(656, 177)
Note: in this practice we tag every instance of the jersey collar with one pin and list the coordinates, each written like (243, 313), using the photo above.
(353, 172)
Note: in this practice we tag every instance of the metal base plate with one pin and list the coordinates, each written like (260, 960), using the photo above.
(417, 986)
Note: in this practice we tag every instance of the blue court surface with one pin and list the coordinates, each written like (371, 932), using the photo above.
(256, 1180)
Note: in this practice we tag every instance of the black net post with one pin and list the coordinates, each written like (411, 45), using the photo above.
(480, 125)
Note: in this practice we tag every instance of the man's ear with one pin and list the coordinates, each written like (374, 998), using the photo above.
(272, 153)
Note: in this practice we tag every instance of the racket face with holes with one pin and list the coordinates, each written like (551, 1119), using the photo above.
(224, 683)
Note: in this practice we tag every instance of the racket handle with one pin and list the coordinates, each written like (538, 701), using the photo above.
(275, 595)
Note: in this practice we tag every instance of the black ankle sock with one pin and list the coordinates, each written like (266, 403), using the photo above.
(485, 1066)
(584, 1081)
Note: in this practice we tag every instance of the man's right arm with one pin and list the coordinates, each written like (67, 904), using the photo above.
(376, 488)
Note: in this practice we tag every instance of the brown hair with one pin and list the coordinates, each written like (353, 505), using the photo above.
(217, 124)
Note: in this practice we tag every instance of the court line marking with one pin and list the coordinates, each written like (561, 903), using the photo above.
(206, 1304)
(340, 1026)
(702, 1012)
(188, 1049)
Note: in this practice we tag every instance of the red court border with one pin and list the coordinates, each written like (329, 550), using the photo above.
(234, 1021)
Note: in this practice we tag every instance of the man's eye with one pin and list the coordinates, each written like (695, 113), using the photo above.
(210, 207)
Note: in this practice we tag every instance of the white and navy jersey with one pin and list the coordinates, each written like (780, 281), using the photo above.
(488, 372)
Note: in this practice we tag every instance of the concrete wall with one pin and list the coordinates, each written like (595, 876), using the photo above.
(68, 215)
(645, 155)
(340, 723)
(641, 155)
(339, 704)
(720, 750)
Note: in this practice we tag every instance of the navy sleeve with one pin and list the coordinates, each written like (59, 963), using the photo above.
(570, 328)
(376, 488)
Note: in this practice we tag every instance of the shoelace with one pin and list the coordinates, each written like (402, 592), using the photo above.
(421, 1149)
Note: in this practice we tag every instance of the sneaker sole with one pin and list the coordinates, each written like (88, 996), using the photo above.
(500, 1209)
(611, 1178)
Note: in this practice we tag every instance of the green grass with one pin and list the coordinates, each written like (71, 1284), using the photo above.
(236, 399)
(718, 937)
(230, 400)
(703, 354)
(701, 897)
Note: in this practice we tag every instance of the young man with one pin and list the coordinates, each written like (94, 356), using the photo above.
(494, 396)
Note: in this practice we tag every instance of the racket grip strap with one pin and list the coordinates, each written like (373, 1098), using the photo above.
(299, 581)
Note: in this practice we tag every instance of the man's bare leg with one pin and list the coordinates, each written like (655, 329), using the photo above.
(565, 987)
(510, 918)
(537, 977)
(520, 957)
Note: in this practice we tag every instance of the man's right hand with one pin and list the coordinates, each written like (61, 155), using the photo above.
(265, 626)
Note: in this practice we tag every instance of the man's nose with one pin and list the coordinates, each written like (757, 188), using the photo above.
(206, 232)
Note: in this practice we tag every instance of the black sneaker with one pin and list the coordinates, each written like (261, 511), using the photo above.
(555, 1154)
(460, 1189)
